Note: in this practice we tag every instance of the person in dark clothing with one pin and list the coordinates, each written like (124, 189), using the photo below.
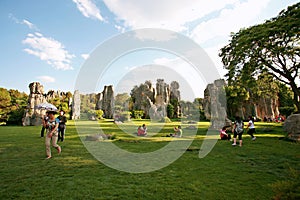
(45, 119)
(62, 125)
(251, 127)
(238, 130)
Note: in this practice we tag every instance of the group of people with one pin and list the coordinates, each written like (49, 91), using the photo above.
(279, 118)
(55, 130)
(142, 131)
(238, 130)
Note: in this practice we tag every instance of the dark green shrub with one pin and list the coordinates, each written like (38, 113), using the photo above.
(15, 117)
(138, 114)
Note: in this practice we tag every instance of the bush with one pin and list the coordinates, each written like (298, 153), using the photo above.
(170, 110)
(15, 117)
(286, 111)
(137, 114)
(99, 114)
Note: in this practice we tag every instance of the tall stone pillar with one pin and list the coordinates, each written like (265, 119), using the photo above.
(76, 105)
(32, 115)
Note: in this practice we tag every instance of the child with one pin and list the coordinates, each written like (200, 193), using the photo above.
(224, 135)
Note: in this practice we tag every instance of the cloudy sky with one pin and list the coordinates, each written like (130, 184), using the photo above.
(49, 41)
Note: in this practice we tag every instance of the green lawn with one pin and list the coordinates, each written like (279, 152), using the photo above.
(260, 169)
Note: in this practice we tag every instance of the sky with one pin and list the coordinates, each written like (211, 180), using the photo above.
(49, 41)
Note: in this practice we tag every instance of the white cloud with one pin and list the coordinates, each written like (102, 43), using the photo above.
(120, 28)
(49, 50)
(46, 79)
(24, 21)
(239, 15)
(214, 33)
(194, 78)
(154, 35)
(85, 56)
(88, 9)
(29, 24)
(168, 14)
(209, 23)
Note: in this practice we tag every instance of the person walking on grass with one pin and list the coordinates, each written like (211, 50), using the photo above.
(44, 120)
(51, 125)
(251, 127)
(62, 125)
(238, 130)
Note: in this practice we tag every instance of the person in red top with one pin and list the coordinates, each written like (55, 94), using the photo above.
(224, 135)
(142, 130)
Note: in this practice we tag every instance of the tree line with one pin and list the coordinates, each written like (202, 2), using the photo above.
(12, 106)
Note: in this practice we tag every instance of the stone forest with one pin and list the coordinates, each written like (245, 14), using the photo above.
(159, 101)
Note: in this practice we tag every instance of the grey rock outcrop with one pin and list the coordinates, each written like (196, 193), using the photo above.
(76, 105)
(292, 127)
(263, 107)
(154, 101)
(144, 97)
(175, 98)
(162, 94)
(106, 101)
(32, 115)
(214, 104)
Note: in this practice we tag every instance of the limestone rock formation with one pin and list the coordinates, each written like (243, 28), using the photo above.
(154, 101)
(263, 107)
(266, 107)
(32, 115)
(144, 97)
(214, 104)
(175, 98)
(292, 126)
(162, 96)
(76, 105)
(106, 101)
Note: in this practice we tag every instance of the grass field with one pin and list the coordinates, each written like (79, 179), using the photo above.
(261, 169)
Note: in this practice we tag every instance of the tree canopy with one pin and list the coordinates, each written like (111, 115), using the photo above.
(271, 47)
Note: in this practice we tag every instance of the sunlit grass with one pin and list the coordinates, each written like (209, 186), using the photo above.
(225, 173)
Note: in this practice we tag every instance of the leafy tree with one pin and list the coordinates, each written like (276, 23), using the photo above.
(5, 103)
(99, 114)
(55, 101)
(286, 104)
(170, 110)
(271, 47)
(15, 117)
(69, 95)
(138, 114)
(122, 99)
(285, 96)
(63, 106)
(236, 96)
(198, 104)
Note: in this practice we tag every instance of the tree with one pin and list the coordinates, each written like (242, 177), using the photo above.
(122, 100)
(285, 96)
(170, 110)
(4, 104)
(272, 47)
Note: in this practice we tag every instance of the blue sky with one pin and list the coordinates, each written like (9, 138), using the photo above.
(48, 41)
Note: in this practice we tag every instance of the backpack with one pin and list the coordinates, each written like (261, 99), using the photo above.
(239, 127)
